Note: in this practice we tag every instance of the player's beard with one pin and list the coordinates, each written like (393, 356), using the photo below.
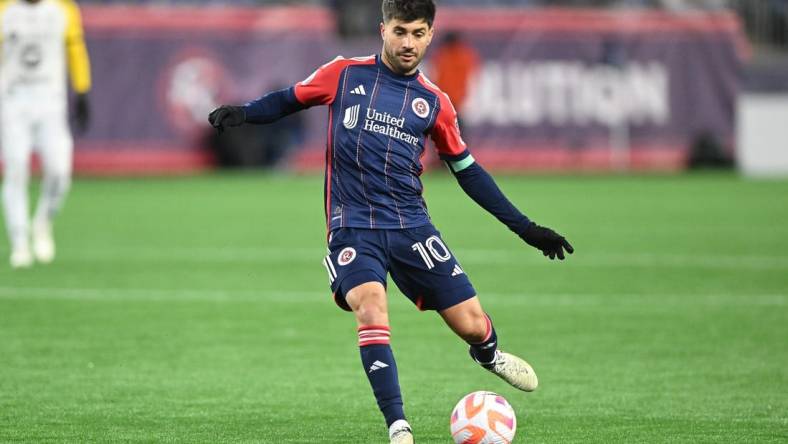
(401, 67)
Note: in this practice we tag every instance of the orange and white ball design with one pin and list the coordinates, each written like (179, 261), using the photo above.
(483, 418)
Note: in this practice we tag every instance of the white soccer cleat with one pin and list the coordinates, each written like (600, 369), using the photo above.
(43, 242)
(400, 432)
(21, 258)
(518, 373)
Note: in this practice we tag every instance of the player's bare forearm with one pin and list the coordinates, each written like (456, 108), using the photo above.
(266, 109)
(481, 187)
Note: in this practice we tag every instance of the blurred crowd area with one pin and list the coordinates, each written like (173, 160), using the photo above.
(664, 4)
(766, 21)
(668, 4)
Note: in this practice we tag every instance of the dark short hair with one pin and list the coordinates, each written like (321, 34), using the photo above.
(409, 10)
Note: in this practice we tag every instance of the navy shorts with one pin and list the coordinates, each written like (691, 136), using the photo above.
(420, 263)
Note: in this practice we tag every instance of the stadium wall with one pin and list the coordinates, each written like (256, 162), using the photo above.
(557, 89)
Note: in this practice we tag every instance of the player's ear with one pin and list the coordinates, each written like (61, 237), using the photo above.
(430, 33)
(382, 30)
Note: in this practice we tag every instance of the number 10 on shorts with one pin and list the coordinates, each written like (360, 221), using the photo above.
(432, 248)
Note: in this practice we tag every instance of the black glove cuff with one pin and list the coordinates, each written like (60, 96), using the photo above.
(523, 227)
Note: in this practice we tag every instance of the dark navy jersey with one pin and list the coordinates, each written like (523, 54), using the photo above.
(378, 122)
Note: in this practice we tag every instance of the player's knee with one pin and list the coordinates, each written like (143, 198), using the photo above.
(372, 311)
(472, 326)
(371, 315)
(468, 320)
(58, 179)
(476, 328)
(56, 185)
(61, 184)
(368, 302)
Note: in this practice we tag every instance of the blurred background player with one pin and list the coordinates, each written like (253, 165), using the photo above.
(41, 40)
(381, 111)
(454, 64)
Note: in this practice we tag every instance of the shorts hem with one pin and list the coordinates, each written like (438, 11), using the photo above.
(450, 298)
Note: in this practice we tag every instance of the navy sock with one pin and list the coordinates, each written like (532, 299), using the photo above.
(381, 370)
(484, 352)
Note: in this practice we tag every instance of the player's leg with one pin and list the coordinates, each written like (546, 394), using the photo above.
(472, 324)
(16, 146)
(56, 150)
(427, 272)
(357, 270)
(368, 302)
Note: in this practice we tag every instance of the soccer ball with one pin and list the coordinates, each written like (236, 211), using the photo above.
(483, 418)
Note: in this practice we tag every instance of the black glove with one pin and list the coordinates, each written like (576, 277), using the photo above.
(226, 116)
(81, 113)
(548, 241)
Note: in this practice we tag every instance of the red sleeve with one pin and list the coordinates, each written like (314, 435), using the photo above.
(320, 88)
(446, 131)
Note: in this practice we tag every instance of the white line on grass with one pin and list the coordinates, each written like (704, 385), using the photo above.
(519, 299)
(468, 256)
(158, 294)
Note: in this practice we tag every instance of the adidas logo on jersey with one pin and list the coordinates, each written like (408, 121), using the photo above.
(457, 271)
(359, 90)
(377, 365)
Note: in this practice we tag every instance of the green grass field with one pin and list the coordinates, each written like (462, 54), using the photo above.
(196, 310)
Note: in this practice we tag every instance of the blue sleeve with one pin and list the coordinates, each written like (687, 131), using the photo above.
(480, 186)
(272, 106)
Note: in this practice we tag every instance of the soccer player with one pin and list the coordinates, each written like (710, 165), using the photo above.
(381, 110)
(40, 41)
(454, 65)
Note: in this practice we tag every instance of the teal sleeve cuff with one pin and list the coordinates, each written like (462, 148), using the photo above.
(459, 165)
